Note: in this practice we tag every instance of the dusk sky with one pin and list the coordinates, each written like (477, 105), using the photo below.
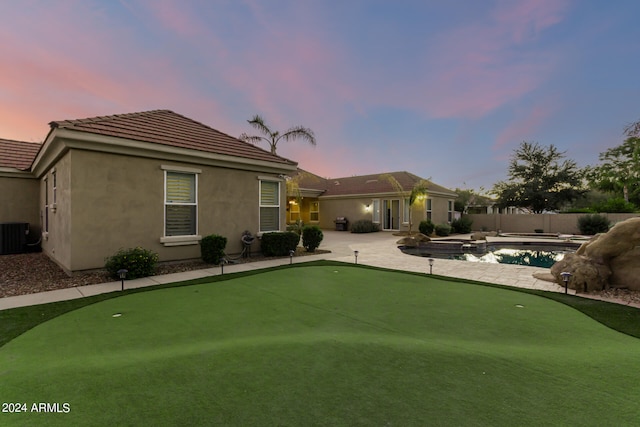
(443, 89)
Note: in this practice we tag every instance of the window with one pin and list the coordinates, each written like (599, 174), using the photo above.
(181, 204)
(450, 211)
(269, 205)
(429, 209)
(54, 188)
(405, 210)
(294, 211)
(46, 205)
(314, 211)
(375, 213)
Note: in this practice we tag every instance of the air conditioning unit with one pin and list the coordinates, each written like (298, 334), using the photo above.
(13, 237)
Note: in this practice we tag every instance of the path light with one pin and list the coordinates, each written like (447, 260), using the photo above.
(565, 277)
(223, 261)
(431, 260)
(122, 274)
(291, 252)
(356, 254)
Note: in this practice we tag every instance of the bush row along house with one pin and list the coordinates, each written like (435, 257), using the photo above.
(161, 181)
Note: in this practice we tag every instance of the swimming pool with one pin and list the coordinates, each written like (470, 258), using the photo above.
(532, 254)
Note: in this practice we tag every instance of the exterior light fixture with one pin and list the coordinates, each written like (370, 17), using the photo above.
(291, 252)
(367, 207)
(431, 261)
(356, 254)
(223, 261)
(122, 274)
(565, 278)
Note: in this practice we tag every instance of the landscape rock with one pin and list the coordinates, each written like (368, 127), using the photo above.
(607, 260)
(413, 240)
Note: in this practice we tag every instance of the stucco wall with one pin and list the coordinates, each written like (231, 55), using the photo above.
(56, 243)
(528, 223)
(19, 200)
(117, 201)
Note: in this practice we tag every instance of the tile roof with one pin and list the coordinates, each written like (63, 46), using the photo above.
(365, 184)
(18, 154)
(168, 128)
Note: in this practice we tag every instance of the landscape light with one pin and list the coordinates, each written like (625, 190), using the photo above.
(291, 252)
(122, 274)
(356, 254)
(223, 261)
(565, 277)
(431, 261)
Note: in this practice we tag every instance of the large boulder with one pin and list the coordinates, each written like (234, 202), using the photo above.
(413, 240)
(607, 259)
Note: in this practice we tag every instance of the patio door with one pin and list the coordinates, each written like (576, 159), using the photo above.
(391, 214)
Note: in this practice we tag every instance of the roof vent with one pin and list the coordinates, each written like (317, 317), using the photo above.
(336, 182)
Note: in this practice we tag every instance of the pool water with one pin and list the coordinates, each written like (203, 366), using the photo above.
(529, 255)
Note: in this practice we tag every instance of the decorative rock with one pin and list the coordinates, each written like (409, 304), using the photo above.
(608, 259)
(413, 240)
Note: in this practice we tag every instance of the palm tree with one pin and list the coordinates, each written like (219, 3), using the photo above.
(273, 137)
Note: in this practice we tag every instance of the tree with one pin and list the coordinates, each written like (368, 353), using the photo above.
(272, 137)
(539, 179)
(619, 171)
(418, 192)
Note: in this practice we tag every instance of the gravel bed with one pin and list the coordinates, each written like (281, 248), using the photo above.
(34, 272)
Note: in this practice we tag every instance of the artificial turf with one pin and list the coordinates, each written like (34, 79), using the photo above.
(323, 344)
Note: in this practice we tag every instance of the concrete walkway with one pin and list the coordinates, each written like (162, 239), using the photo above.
(374, 249)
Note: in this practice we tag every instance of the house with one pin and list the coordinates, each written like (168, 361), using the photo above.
(317, 200)
(161, 181)
(153, 179)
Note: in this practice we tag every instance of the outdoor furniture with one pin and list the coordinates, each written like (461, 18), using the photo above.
(342, 223)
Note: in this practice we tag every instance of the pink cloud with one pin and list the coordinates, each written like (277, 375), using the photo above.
(524, 128)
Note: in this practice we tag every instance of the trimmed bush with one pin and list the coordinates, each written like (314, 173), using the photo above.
(138, 261)
(462, 225)
(364, 226)
(593, 224)
(311, 237)
(426, 227)
(443, 230)
(212, 248)
(616, 205)
(279, 243)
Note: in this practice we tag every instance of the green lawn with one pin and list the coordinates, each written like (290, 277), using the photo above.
(323, 344)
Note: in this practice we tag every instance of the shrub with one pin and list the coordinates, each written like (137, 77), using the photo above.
(443, 230)
(279, 243)
(311, 237)
(593, 224)
(212, 248)
(138, 262)
(616, 205)
(364, 226)
(426, 227)
(462, 225)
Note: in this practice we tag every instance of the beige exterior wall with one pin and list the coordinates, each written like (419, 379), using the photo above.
(108, 201)
(19, 200)
(528, 223)
(56, 241)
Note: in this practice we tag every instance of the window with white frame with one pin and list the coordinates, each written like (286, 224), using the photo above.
(46, 204)
(405, 210)
(181, 203)
(429, 209)
(375, 213)
(314, 211)
(269, 205)
(450, 211)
